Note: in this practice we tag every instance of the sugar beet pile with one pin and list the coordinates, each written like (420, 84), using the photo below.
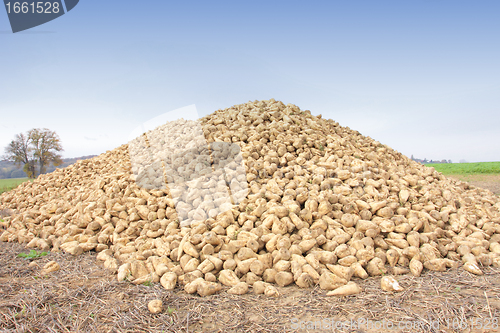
(325, 205)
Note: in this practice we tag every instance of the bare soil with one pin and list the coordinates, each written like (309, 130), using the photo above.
(487, 181)
(84, 297)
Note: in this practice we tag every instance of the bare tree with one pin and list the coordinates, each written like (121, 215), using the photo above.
(38, 145)
(20, 152)
(45, 144)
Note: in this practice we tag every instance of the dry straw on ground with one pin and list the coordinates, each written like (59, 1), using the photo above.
(84, 297)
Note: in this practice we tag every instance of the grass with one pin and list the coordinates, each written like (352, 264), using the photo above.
(467, 168)
(9, 184)
(32, 254)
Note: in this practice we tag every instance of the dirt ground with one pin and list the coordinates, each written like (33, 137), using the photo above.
(490, 182)
(84, 297)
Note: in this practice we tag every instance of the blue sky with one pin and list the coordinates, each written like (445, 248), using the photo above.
(422, 77)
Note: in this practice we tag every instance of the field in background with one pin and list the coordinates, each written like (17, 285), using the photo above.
(9, 184)
(483, 174)
(467, 168)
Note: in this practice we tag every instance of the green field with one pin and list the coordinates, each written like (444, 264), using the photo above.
(9, 184)
(466, 168)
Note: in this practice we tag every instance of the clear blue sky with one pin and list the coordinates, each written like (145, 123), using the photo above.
(420, 76)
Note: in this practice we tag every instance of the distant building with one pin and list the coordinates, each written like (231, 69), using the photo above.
(425, 161)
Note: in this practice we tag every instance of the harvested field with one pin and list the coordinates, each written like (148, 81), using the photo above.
(488, 181)
(484, 174)
(84, 297)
